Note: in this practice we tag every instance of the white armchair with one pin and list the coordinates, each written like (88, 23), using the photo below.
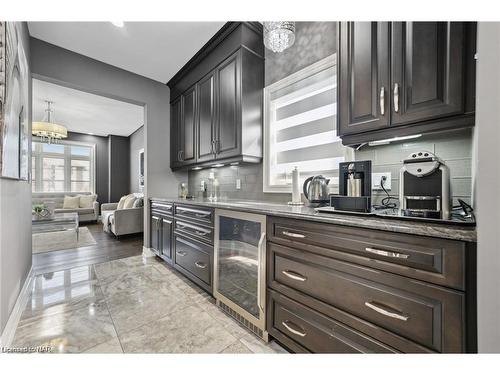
(122, 221)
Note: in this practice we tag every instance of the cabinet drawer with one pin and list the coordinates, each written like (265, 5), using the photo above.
(435, 260)
(315, 332)
(202, 233)
(201, 214)
(429, 315)
(195, 258)
(162, 208)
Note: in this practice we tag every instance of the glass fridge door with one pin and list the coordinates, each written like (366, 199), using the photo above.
(239, 272)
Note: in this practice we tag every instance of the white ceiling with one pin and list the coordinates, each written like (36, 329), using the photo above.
(86, 113)
(156, 50)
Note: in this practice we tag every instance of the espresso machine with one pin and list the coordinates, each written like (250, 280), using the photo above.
(355, 180)
(424, 189)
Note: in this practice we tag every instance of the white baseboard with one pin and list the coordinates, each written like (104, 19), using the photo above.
(147, 253)
(17, 311)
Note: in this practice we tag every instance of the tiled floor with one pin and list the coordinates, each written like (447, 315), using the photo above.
(129, 305)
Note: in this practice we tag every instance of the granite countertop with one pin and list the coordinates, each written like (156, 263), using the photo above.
(439, 230)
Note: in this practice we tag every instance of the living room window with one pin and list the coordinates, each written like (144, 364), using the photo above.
(66, 167)
(300, 126)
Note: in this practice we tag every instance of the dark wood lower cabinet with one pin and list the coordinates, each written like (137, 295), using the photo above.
(195, 260)
(304, 330)
(308, 274)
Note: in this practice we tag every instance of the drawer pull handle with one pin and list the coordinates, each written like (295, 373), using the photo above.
(389, 254)
(202, 215)
(382, 311)
(296, 329)
(201, 233)
(294, 235)
(181, 253)
(200, 264)
(294, 275)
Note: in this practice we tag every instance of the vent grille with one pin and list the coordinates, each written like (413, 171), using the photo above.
(242, 320)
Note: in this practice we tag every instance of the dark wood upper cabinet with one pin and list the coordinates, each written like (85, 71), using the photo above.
(220, 91)
(206, 118)
(188, 128)
(175, 132)
(227, 140)
(404, 78)
(364, 77)
(427, 70)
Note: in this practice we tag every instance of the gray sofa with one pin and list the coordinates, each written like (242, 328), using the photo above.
(57, 199)
(122, 221)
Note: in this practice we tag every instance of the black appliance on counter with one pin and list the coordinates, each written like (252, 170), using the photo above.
(355, 183)
(424, 189)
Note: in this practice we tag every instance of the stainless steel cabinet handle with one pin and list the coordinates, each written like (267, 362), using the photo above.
(198, 212)
(181, 253)
(382, 311)
(382, 101)
(298, 330)
(294, 275)
(202, 215)
(200, 264)
(294, 235)
(261, 276)
(201, 233)
(385, 253)
(213, 147)
(217, 146)
(396, 98)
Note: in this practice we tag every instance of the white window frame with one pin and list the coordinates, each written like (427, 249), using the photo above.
(327, 62)
(37, 180)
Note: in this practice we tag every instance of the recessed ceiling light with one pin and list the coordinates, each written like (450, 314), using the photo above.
(118, 23)
(196, 168)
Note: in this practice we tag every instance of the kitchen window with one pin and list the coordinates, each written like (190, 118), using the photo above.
(66, 167)
(300, 126)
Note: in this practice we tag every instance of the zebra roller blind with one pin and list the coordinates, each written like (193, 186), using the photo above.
(300, 126)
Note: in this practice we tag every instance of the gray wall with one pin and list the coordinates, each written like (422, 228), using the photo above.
(102, 162)
(58, 65)
(455, 148)
(313, 42)
(136, 144)
(119, 167)
(488, 186)
(15, 227)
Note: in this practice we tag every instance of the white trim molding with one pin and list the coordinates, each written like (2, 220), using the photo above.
(15, 315)
(147, 252)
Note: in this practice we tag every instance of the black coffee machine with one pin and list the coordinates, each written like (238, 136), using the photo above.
(355, 183)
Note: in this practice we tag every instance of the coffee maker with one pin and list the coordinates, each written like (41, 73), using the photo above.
(355, 180)
(424, 189)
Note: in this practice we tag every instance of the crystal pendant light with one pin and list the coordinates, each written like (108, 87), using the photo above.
(278, 36)
(47, 130)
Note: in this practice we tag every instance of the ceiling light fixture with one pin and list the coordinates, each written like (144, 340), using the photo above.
(279, 36)
(218, 165)
(47, 129)
(118, 23)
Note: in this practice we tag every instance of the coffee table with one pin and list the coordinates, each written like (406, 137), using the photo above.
(57, 222)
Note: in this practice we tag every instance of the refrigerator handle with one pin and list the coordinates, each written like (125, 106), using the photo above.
(261, 277)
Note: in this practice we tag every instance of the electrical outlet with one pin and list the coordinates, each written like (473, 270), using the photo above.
(377, 177)
(238, 184)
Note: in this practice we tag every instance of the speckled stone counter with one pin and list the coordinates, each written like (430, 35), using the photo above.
(454, 232)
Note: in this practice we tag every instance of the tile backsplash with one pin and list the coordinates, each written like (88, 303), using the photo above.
(455, 148)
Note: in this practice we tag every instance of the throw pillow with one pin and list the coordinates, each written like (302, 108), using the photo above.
(129, 202)
(139, 202)
(87, 201)
(71, 202)
(122, 202)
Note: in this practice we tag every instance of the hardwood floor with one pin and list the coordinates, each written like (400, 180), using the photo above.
(107, 248)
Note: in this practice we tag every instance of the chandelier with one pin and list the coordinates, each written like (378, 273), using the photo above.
(47, 130)
(278, 36)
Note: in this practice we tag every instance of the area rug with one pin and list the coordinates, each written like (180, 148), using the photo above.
(52, 241)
